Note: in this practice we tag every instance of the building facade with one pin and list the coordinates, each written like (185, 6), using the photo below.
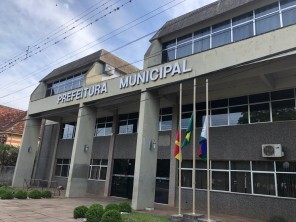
(115, 136)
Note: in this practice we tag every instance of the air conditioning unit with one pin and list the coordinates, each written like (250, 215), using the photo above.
(109, 70)
(272, 150)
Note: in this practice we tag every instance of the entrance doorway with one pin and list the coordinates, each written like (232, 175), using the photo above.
(123, 178)
(162, 181)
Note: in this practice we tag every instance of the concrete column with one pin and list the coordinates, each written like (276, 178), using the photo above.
(173, 162)
(27, 153)
(108, 181)
(81, 153)
(53, 159)
(146, 153)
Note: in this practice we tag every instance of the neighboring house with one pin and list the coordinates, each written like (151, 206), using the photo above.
(12, 123)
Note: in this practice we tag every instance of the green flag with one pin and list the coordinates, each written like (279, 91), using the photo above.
(189, 129)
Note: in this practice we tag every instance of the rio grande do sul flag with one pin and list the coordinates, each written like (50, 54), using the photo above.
(177, 153)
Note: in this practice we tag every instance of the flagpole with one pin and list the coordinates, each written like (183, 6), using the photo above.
(193, 146)
(208, 151)
(180, 150)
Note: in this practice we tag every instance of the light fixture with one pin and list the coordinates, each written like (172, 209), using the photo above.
(152, 145)
(85, 148)
(29, 149)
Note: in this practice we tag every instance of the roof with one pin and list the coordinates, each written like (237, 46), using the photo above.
(87, 61)
(201, 14)
(12, 120)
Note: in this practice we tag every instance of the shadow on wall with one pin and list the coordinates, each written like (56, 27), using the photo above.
(6, 175)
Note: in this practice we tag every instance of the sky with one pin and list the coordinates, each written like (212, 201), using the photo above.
(37, 36)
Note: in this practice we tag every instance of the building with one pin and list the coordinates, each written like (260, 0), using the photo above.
(115, 137)
(11, 125)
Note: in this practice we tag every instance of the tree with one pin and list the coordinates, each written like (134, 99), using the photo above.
(8, 155)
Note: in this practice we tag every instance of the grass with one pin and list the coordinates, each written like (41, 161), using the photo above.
(142, 217)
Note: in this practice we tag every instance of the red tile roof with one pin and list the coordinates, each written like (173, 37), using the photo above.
(12, 120)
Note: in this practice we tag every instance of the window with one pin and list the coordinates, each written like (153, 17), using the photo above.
(104, 126)
(267, 18)
(259, 112)
(98, 169)
(186, 115)
(288, 12)
(250, 177)
(184, 46)
(128, 123)
(66, 84)
(68, 130)
(62, 167)
(221, 34)
(243, 27)
(255, 22)
(165, 119)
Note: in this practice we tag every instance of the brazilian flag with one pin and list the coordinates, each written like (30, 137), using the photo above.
(188, 132)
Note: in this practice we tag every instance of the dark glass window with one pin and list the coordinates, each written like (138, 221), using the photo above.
(286, 166)
(169, 44)
(238, 115)
(201, 164)
(283, 110)
(242, 18)
(185, 119)
(219, 117)
(241, 182)
(202, 33)
(220, 165)
(201, 44)
(201, 179)
(220, 180)
(266, 10)
(200, 118)
(263, 183)
(262, 166)
(283, 94)
(242, 100)
(220, 26)
(240, 165)
(259, 113)
(219, 103)
(186, 180)
(184, 39)
(286, 184)
(186, 164)
(256, 98)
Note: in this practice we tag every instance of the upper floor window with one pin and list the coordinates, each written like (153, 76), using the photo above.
(257, 108)
(128, 123)
(104, 126)
(165, 119)
(258, 21)
(63, 85)
(68, 130)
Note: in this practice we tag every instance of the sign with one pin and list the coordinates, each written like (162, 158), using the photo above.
(127, 81)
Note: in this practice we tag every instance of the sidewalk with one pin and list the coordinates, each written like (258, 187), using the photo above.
(61, 209)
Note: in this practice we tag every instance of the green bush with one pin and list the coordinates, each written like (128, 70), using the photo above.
(111, 216)
(21, 194)
(46, 194)
(79, 212)
(94, 213)
(125, 207)
(112, 207)
(7, 195)
(34, 194)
